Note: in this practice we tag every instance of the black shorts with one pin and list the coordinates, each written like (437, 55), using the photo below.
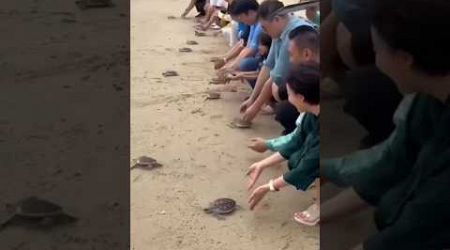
(200, 7)
(282, 92)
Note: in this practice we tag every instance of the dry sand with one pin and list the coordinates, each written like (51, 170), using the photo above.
(203, 158)
(55, 55)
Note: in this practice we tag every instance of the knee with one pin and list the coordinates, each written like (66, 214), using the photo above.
(248, 64)
(245, 65)
(275, 91)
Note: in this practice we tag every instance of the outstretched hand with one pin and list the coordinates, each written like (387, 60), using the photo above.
(254, 172)
(250, 113)
(257, 195)
(258, 145)
(244, 106)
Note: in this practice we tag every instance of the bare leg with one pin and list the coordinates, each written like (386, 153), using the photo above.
(188, 9)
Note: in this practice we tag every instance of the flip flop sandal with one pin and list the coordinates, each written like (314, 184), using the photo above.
(309, 217)
(215, 27)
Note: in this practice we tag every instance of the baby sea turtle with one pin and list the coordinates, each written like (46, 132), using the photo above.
(217, 81)
(146, 163)
(191, 42)
(185, 50)
(199, 34)
(213, 96)
(221, 207)
(37, 212)
(240, 123)
(171, 17)
(86, 4)
(170, 73)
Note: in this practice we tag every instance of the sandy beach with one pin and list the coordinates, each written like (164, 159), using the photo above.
(203, 159)
(64, 86)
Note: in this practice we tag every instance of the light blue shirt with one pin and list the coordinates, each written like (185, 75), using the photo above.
(254, 36)
(278, 59)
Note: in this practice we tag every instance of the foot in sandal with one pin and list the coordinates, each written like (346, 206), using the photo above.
(309, 217)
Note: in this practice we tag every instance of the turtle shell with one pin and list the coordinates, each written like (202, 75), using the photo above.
(200, 34)
(191, 42)
(223, 206)
(145, 162)
(35, 208)
(185, 50)
(170, 73)
(240, 123)
(213, 96)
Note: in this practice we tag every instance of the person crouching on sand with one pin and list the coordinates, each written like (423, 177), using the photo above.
(302, 151)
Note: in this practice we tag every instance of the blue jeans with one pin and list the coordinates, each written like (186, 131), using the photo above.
(250, 64)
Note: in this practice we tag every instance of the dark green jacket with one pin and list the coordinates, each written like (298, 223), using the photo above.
(303, 153)
(407, 178)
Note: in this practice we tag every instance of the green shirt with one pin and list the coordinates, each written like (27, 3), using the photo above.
(277, 143)
(407, 177)
(303, 153)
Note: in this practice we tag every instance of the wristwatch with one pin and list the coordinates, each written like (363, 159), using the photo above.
(272, 187)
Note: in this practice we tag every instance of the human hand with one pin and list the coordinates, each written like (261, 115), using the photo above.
(254, 171)
(247, 103)
(250, 113)
(257, 195)
(233, 76)
(258, 145)
(219, 63)
(224, 70)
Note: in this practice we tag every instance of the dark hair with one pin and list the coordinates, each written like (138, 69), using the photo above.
(305, 80)
(417, 27)
(268, 8)
(305, 37)
(265, 40)
(238, 7)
